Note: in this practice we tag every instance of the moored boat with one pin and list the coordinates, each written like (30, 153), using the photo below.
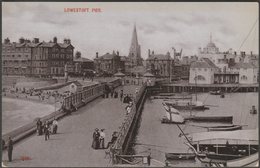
(186, 105)
(225, 128)
(223, 119)
(225, 145)
(216, 92)
(180, 156)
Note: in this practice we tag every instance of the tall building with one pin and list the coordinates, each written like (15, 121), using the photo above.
(108, 64)
(35, 58)
(135, 51)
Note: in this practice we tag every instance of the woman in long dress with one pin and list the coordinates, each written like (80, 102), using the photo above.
(95, 142)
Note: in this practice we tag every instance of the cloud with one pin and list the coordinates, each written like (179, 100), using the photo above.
(182, 26)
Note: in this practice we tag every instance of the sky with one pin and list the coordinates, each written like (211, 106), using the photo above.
(160, 25)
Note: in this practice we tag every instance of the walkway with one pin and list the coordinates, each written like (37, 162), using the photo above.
(71, 147)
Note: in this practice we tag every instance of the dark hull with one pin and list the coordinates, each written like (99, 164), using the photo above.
(166, 121)
(223, 156)
(231, 128)
(190, 107)
(180, 156)
(228, 119)
(215, 93)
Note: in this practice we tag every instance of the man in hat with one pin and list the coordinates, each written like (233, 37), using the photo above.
(10, 148)
(102, 139)
(95, 142)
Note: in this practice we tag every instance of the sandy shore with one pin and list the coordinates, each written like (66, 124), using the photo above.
(17, 112)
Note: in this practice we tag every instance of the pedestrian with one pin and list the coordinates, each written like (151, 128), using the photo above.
(39, 127)
(95, 142)
(102, 139)
(121, 95)
(10, 149)
(55, 126)
(46, 131)
(3, 146)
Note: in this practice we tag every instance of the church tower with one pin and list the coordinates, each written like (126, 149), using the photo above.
(135, 50)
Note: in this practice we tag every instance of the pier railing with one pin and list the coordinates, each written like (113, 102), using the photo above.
(126, 129)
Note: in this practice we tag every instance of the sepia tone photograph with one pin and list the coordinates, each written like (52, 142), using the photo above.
(130, 84)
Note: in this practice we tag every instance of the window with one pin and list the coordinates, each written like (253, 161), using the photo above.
(199, 77)
(243, 77)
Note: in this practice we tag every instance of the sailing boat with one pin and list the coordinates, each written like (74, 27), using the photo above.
(187, 104)
(172, 115)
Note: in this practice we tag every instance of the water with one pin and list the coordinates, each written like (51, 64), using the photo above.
(161, 138)
(16, 113)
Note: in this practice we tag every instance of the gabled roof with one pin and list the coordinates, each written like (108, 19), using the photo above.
(203, 63)
(244, 65)
(81, 59)
(159, 57)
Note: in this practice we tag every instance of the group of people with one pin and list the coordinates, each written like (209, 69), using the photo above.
(99, 139)
(47, 128)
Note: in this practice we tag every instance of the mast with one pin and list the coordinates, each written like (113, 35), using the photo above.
(196, 84)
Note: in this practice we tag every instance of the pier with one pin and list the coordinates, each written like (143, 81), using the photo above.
(71, 146)
(228, 88)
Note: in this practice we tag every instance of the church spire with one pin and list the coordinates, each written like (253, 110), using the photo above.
(135, 49)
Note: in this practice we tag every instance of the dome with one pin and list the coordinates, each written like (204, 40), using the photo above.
(211, 44)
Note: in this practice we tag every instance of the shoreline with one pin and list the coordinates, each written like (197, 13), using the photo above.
(22, 112)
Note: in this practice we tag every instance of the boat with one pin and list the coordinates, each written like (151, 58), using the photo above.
(225, 128)
(210, 118)
(225, 145)
(172, 115)
(180, 156)
(216, 92)
(231, 127)
(186, 105)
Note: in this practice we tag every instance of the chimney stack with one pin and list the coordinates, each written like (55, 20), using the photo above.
(117, 53)
(55, 39)
(35, 40)
(6, 41)
(68, 41)
(65, 41)
(251, 53)
(235, 53)
(149, 52)
(21, 40)
(96, 54)
(152, 52)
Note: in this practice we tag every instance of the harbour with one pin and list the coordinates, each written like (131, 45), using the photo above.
(164, 138)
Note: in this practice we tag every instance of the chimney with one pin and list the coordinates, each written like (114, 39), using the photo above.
(114, 52)
(65, 41)
(117, 53)
(6, 41)
(235, 53)
(36, 40)
(55, 39)
(96, 54)
(21, 40)
(152, 52)
(251, 53)
(149, 52)
(68, 41)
